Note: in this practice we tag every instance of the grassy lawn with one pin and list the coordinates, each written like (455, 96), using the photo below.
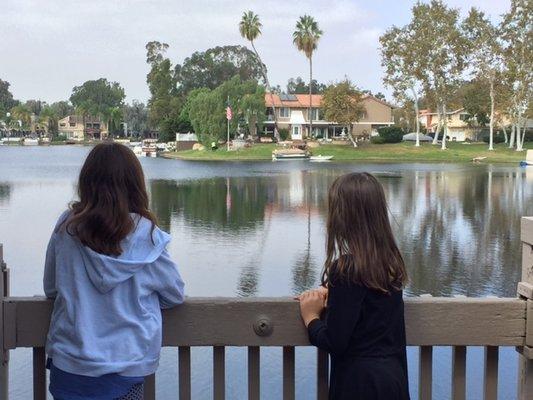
(456, 152)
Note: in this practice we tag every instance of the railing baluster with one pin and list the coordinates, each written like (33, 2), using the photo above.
(459, 373)
(4, 354)
(184, 372)
(490, 385)
(253, 372)
(39, 373)
(288, 373)
(425, 373)
(322, 375)
(149, 387)
(219, 373)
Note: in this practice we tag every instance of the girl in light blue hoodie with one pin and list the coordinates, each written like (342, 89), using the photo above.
(109, 273)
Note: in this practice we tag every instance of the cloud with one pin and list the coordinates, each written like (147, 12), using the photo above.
(49, 46)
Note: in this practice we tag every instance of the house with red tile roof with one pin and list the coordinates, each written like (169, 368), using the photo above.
(292, 114)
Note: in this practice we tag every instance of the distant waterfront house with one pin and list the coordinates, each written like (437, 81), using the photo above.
(78, 127)
(458, 128)
(292, 113)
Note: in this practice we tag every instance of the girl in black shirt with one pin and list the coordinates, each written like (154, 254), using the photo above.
(364, 273)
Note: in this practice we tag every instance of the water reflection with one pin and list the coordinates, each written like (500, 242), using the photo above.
(5, 193)
(458, 230)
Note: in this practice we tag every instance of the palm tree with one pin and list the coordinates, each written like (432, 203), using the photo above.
(48, 118)
(250, 29)
(22, 115)
(305, 38)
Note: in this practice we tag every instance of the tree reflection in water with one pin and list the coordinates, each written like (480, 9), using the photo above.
(457, 226)
(5, 193)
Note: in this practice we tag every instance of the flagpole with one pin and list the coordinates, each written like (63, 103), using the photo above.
(227, 142)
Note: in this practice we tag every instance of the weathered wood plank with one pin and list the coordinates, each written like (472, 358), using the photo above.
(525, 290)
(39, 373)
(525, 378)
(529, 323)
(254, 373)
(527, 263)
(149, 387)
(184, 372)
(459, 373)
(214, 321)
(526, 230)
(490, 384)
(288, 373)
(322, 375)
(425, 373)
(219, 373)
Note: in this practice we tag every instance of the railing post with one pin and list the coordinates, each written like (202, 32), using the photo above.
(525, 291)
(4, 354)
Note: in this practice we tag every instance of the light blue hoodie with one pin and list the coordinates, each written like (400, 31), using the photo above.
(107, 310)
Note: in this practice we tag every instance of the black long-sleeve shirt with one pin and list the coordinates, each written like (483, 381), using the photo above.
(364, 332)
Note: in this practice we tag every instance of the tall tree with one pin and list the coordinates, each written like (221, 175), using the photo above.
(441, 53)
(136, 116)
(98, 98)
(305, 38)
(206, 108)
(398, 55)
(6, 98)
(485, 53)
(298, 86)
(62, 108)
(22, 115)
(215, 66)
(164, 102)
(342, 103)
(250, 29)
(48, 119)
(517, 34)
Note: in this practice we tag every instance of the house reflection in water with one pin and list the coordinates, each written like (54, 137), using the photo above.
(458, 232)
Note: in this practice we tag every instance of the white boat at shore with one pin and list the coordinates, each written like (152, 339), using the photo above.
(148, 148)
(30, 142)
(290, 154)
(320, 158)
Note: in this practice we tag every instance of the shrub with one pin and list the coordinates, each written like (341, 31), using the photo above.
(497, 138)
(283, 134)
(377, 139)
(391, 134)
(59, 138)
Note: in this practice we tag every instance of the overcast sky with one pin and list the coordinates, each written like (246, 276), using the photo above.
(49, 46)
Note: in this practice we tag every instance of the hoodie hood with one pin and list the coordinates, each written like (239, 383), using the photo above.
(140, 248)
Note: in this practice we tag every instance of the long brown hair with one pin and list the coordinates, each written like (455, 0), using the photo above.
(111, 186)
(360, 246)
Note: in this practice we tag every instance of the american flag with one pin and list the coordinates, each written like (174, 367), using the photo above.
(229, 114)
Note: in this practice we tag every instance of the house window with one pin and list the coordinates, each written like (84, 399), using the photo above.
(315, 113)
(88, 125)
(284, 112)
(96, 126)
(464, 117)
(62, 124)
(72, 124)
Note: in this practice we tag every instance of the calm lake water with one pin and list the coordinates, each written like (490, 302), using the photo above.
(257, 229)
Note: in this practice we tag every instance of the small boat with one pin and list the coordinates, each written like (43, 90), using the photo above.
(30, 141)
(290, 154)
(148, 148)
(320, 158)
(478, 159)
(528, 160)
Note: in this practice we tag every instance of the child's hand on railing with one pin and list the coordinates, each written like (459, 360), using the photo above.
(312, 302)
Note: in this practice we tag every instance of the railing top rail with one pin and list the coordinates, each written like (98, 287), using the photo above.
(235, 321)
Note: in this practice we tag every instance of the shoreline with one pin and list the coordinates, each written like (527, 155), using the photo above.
(398, 152)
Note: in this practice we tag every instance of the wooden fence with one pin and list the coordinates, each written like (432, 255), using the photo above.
(259, 322)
